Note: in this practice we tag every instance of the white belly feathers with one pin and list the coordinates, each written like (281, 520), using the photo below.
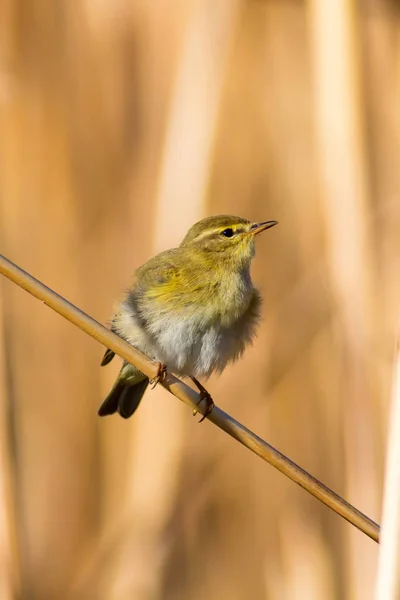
(186, 346)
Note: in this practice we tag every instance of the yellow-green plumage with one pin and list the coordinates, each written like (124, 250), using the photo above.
(193, 308)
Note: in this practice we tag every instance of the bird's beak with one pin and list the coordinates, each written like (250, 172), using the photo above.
(257, 228)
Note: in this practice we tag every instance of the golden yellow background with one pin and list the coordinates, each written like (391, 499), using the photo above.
(122, 123)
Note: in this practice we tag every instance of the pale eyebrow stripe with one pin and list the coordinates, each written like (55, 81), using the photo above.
(209, 233)
(218, 230)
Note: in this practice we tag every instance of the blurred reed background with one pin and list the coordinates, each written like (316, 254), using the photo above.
(122, 123)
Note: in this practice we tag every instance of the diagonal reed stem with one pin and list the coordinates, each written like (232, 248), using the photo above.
(224, 421)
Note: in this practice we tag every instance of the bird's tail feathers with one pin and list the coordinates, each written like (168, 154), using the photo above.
(123, 398)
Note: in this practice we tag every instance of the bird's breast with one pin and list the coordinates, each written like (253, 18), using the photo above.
(200, 341)
(199, 337)
(230, 297)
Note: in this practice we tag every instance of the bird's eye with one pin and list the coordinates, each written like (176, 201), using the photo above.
(227, 232)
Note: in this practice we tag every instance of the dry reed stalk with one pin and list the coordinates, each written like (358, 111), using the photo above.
(190, 397)
(9, 556)
(339, 110)
(388, 582)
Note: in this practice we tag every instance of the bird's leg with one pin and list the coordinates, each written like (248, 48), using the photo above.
(160, 376)
(204, 395)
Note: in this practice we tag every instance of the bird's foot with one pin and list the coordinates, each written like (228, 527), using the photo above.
(204, 395)
(160, 375)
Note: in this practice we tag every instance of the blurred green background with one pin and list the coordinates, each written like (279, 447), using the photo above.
(123, 123)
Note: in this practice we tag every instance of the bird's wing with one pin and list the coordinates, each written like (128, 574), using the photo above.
(160, 286)
(159, 279)
(165, 283)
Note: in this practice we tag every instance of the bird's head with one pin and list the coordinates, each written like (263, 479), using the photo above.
(225, 239)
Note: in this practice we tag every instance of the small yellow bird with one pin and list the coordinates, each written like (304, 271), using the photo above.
(193, 309)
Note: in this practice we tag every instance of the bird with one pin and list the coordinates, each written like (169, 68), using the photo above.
(192, 309)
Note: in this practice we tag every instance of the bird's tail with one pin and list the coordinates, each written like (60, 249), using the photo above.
(123, 398)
